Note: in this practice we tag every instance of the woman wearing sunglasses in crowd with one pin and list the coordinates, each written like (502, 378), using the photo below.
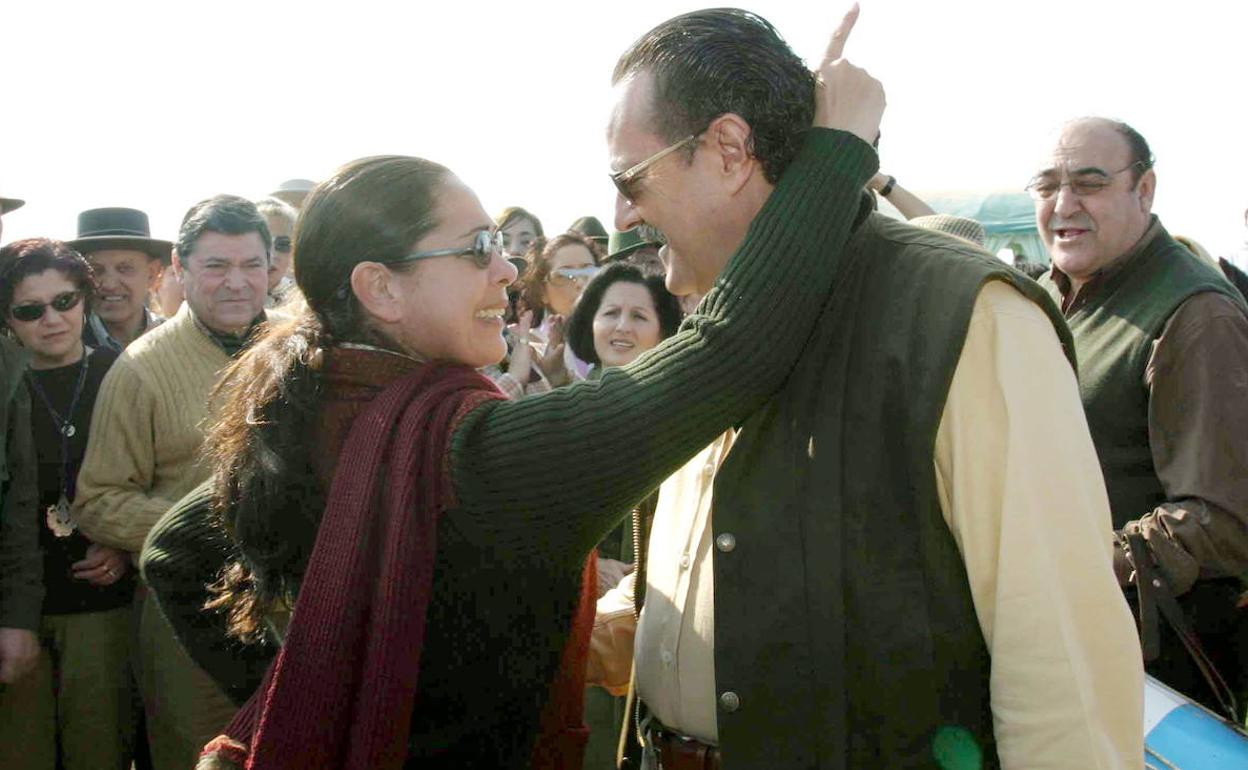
(77, 704)
(369, 477)
(558, 271)
(280, 216)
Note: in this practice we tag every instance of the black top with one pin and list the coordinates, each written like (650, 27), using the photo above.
(65, 593)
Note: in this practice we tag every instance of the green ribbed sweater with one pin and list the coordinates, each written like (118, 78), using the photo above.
(539, 481)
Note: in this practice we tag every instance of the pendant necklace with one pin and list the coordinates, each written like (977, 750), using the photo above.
(58, 516)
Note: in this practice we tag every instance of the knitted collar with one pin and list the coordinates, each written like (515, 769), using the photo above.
(232, 344)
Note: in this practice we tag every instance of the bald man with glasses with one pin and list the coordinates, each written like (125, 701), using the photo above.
(1161, 338)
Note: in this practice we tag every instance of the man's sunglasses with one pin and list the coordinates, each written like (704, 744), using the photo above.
(484, 246)
(33, 311)
(624, 180)
(282, 243)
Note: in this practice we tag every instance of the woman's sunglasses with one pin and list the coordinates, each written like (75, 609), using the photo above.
(484, 246)
(566, 276)
(282, 244)
(33, 311)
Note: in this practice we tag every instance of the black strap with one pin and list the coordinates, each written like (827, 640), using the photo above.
(1156, 597)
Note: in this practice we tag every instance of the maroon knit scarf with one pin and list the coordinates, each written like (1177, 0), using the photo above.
(340, 693)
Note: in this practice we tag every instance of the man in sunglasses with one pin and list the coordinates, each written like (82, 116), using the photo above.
(1162, 343)
(143, 454)
(868, 571)
(127, 263)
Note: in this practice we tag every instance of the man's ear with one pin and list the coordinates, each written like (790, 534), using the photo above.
(732, 142)
(177, 265)
(1147, 187)
(374, 286)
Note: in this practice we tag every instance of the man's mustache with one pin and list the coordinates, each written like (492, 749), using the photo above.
(651, 234)
(1074, 223)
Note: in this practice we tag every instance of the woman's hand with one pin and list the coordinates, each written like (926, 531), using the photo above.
(551, 361)
(521, 364)
(102, 566)
(847, 98)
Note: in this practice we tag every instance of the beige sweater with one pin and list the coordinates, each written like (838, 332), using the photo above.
(143, 453)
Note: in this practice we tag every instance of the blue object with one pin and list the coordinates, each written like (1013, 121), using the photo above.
(1190, 738)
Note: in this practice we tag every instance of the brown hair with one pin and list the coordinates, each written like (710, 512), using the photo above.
(266, 493)
(539, 256)
(512, 213)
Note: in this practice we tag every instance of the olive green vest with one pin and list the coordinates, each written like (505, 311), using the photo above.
(845, 631)
(1114, 331)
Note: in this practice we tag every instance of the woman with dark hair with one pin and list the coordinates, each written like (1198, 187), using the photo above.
(621, 314)
(371, 482)
(77, 704)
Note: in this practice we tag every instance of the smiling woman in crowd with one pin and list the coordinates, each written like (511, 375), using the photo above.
(76, 705)
(558, 271)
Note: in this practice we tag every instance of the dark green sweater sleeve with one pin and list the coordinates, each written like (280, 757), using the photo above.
(21, 560)
(183, 554)
(550, 474)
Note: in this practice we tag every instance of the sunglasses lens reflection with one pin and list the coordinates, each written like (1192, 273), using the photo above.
(34, 311)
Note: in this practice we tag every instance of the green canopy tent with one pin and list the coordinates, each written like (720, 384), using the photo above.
(1009, 219)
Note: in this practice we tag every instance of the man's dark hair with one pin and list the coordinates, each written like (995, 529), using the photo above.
(721, 60)
(226, 214)
(1141, 156)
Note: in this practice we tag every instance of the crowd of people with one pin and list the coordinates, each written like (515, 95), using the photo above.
(358, 476)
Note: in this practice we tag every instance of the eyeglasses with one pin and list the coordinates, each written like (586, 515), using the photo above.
(1081, 185)
(624, 180)
(33, 311)
(566, 276)
(484, 246)
(282, 243)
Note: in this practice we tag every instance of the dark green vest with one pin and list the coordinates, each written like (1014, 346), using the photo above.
(845, 633)
(1114, 331)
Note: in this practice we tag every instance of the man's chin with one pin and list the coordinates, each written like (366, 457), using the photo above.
(115, 313)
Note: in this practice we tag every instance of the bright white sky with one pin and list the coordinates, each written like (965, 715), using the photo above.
(159, 104)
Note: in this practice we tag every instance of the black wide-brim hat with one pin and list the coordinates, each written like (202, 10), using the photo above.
(118, 228)
(10, 204)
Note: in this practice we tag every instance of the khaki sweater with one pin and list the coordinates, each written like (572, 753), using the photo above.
(143, 454)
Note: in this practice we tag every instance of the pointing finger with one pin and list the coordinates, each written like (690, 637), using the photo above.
(836, 46)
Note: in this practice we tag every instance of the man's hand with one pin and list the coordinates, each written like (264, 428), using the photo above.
(847, 98)
(19, 650)
(102, 566)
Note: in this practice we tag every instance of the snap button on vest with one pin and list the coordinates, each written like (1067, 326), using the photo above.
(726, 542)
(730, 701)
